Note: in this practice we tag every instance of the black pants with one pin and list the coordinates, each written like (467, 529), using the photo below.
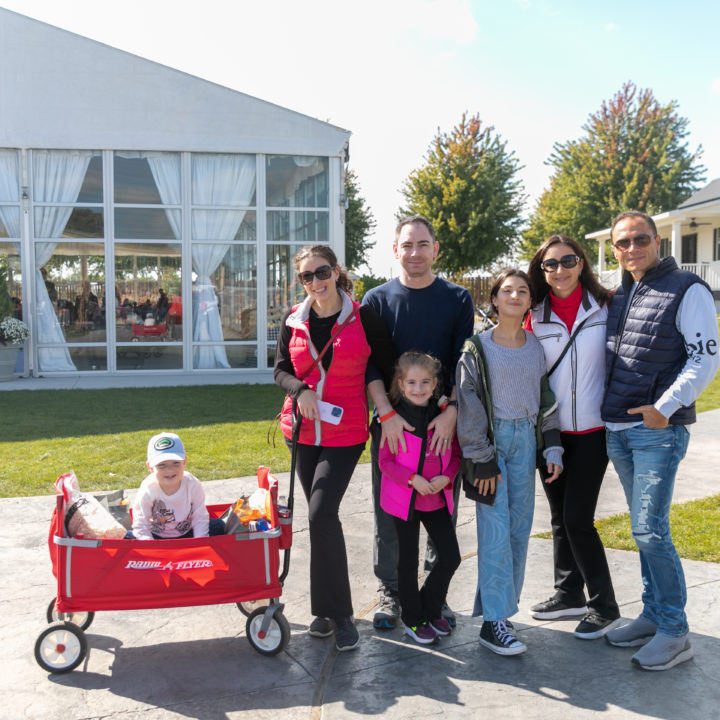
(578, 552)
(324, 473)
(420, 605)
(385, 544)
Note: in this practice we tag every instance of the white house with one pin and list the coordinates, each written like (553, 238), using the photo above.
(120, 177)
(690, 233)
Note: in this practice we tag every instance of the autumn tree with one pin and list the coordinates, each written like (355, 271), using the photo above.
(468, 189)
(359, 224)
(633, 156)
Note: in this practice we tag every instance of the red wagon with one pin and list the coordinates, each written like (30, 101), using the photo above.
(141, 330)
(93, 575)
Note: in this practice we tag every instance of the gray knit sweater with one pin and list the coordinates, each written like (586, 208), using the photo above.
(515, 375)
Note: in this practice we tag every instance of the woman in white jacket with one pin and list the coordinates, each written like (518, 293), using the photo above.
(569, 320)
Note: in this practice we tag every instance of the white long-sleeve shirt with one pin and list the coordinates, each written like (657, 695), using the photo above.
(697, 321)
(170, 516)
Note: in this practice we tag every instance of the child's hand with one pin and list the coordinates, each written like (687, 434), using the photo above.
(422, 485)
(554, 471)
(439, 482)
(486, 486)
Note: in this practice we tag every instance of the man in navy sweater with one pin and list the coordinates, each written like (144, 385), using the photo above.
(661, 353)
(425, 313)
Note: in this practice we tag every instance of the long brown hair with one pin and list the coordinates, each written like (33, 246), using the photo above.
(326, 252)
(538, 284)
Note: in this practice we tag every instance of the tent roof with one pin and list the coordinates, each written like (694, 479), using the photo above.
(61, 90)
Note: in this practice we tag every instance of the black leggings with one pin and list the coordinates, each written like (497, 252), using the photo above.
(577, 549)
(324, 473)
(418, 606)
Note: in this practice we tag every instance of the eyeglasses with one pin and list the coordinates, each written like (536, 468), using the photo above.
(642, 240)
(567, 261)
(322, 273)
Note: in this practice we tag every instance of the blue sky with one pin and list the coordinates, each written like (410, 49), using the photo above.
(395, 71)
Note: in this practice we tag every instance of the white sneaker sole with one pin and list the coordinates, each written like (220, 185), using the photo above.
(558, 614)
(598, 633)
(681, 657)
(516, 649)
(632, 642)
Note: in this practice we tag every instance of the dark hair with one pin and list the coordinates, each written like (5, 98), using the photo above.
(412, 220)
(326, 252)
(502, 277)
(538, 284)
(411, 359)
(634, 214)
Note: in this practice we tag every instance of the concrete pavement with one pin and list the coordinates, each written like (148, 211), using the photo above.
(196, 662)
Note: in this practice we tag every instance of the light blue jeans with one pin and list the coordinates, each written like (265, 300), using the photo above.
(503, 529)
(646, 461)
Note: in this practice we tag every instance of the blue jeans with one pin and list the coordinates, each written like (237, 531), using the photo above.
(646, 461)
(503, 529)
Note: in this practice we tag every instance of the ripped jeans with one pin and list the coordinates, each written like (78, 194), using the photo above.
(646, 461)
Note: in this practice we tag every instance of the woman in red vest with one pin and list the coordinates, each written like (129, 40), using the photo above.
(323, 350)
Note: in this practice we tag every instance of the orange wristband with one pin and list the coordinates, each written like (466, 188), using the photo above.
(387, 416)
(410, 481)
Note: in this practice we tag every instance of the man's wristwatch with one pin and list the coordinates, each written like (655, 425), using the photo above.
(450, 403)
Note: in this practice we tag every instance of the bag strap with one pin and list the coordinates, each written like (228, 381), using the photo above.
(338, 330)
(566, 348)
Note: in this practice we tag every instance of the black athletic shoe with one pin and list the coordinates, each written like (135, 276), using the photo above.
(553, 609)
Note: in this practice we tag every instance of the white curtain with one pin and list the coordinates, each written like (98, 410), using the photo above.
(57, 177)
(224, 180)
(10, 190)
(165, 169)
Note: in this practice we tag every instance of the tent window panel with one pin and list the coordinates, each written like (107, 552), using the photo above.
(148, 292)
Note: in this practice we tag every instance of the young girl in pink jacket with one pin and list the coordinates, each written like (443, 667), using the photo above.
(417, 487)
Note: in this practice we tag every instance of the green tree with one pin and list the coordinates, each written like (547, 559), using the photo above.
(359, 224)
(468, 189)
(365, 283)
(633, 156)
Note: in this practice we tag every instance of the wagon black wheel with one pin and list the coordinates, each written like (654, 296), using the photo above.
(275, 639)
(60, 647)
(82, 619)
(248, 607)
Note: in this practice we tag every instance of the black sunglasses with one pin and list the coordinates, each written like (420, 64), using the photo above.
(642, 240)
(567, 261)
(322, 273)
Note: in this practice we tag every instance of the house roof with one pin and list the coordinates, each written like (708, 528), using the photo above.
(61, 90)
(709, 193)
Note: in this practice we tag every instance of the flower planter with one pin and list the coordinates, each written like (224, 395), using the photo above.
(8, 358)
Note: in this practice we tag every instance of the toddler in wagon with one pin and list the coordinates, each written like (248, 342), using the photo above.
(170, 503)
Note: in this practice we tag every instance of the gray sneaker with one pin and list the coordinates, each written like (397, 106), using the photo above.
(321, 627)
(663, 652)
(638, 632)
(388, 612)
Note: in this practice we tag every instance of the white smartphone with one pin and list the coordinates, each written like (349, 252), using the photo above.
(330, 413)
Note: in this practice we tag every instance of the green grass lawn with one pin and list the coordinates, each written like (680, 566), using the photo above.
(102, 434)
(694, 529)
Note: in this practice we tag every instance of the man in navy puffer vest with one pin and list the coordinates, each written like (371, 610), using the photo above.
(661, 353)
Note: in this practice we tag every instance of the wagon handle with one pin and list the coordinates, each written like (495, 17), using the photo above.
(296, 421)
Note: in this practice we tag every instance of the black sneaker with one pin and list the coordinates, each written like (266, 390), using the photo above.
(388, 613)
(321, 627)
(496, 636)
(594, 626)
(346, 634)
(553, 609)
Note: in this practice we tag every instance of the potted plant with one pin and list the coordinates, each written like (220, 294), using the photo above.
(13, 332)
